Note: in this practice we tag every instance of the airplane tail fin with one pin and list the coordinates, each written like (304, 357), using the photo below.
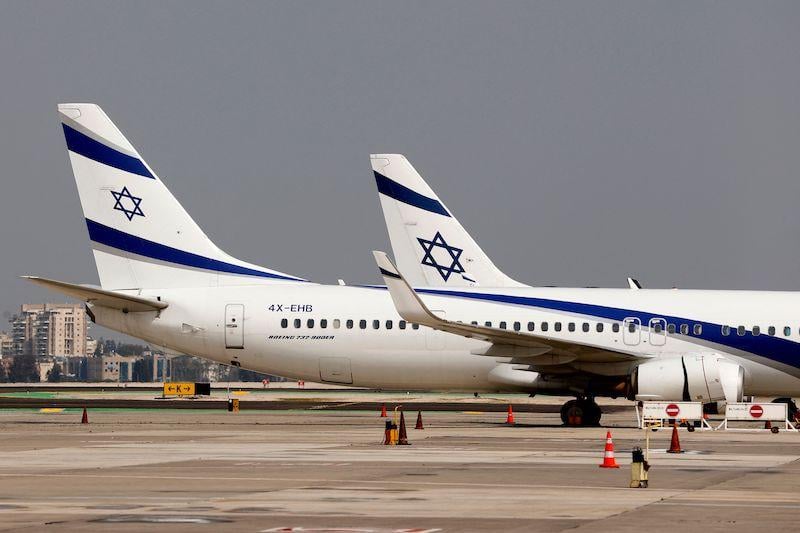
(140, 234)
(429, 244)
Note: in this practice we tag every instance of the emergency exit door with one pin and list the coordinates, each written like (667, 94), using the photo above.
(234, 326)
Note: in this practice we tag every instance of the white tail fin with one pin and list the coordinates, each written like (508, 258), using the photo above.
(430, 246)
(141, 236)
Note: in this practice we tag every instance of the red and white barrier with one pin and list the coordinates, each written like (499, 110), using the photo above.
(657, 414)
(757, 412)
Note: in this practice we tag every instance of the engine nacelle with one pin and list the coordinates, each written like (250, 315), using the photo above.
(693, 378)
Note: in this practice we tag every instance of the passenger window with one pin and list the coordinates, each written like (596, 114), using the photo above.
(531, 326)
(585, 327)
(284, 323)
(740, 331)
(698, 329)
(401, 324)
(336, 323)
(726, 330)
(600, 327)
(787, 331)
(684, 329)
(310, 323)
(388, 324)
(414, 326)
(557, 326)
(503, 324)
(544, 326)
(571, 326)
(756, 331)
(474, 322)
(362, 324)
(297, 322)
(771, 330)
(349, 324)
(670, 328)
(487, 324)
(517, 326)
(323, 323)
(632, 327)
(615, 327)
(376, 324)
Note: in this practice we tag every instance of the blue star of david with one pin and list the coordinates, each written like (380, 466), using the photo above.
(120, 205)
(429, 260)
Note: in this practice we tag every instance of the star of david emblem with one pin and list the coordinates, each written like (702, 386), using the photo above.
(441, 256)
(127, 203)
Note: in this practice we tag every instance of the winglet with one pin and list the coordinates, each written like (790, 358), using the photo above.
(406, 300)
(634, 284)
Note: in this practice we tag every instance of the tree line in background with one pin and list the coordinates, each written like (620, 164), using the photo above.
(24, 368)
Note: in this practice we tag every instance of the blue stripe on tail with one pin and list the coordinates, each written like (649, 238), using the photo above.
(120, 240)
(86, 146)
(401, 193)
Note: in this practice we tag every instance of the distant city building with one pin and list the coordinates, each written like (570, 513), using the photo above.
(6, 344)
(49, 330)
(118, 367)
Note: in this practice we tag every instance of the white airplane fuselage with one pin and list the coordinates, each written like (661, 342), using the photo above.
(264, 335)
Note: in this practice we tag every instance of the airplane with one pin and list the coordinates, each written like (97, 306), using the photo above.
(652, 333)
(164, 281)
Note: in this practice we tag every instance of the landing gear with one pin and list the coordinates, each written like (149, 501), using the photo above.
(582, 411)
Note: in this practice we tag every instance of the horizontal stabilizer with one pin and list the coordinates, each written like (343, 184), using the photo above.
(98, 296)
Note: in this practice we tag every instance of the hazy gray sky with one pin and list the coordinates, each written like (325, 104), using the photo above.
(579, 142)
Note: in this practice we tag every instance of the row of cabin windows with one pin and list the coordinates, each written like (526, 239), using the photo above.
(348, 324)
(696, 329)
(755, 331)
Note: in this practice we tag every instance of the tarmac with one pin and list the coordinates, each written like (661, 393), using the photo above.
(321, 469)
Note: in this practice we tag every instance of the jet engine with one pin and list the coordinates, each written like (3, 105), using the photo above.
(692, 377)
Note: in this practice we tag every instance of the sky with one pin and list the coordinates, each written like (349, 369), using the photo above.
(579, 142)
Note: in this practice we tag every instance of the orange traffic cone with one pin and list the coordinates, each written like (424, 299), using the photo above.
(608, 457)
(675, 443)
(419, 421)
(85, 417)
(510, 417)
(383, 411)
(402, 437)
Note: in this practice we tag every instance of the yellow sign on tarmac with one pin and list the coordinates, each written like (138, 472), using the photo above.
(179, 389)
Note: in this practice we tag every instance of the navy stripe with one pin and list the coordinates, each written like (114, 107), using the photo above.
(389, 274)
(777, 349)
(86, 146)
(401, 193)
(120, 240)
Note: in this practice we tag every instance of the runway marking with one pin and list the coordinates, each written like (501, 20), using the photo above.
(711, 504)
(671, 492)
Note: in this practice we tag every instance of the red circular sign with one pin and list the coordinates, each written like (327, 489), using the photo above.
(756, 411)
(673, 410)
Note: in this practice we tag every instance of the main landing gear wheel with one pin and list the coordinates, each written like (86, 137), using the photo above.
(581, 412)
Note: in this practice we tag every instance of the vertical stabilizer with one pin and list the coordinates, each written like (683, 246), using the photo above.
(430, 245)
(141, 236)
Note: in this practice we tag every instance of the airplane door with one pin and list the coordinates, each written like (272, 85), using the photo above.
(631, 331)
(234, 326)
(658, 331)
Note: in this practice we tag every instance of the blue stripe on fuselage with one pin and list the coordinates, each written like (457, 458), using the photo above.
(777, 349)
(120, 240)
(86, 146)
(401, 193)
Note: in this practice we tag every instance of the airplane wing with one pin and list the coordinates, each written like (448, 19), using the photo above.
(95, 295)
(505, 343)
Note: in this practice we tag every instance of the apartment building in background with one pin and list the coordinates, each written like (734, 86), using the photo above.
(49, 329)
